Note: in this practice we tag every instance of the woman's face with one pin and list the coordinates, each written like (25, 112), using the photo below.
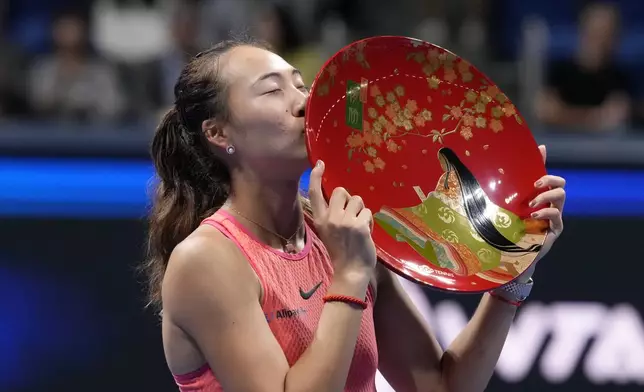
(266, 98)
(599, 30)
(69, 33)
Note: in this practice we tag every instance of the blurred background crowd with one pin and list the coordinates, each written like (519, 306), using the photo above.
(571, 65)
(83, 84)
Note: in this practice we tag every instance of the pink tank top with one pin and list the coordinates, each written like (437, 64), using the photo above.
(293, 286)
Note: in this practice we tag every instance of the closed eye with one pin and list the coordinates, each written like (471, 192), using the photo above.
(274, 91)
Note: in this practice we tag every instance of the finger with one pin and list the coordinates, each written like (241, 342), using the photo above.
(553, 215)
(554, 197)
(338, 201)
(544, 153)
(365, 216)
(318, 204)
(550, 181)
(354, 206)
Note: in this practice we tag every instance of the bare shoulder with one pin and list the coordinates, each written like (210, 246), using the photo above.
(205, 269)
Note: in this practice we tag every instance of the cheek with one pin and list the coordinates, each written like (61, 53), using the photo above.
(262, 132)
(269, 118)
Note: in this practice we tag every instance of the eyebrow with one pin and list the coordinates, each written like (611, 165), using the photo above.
(294, 72)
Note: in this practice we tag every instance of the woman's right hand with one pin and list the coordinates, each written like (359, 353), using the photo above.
(344, 225)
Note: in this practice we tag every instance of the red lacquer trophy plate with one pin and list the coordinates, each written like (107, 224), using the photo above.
(439, 154)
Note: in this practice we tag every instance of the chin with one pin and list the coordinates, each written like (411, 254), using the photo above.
(302, 163)
(299, 163)
(292, 161)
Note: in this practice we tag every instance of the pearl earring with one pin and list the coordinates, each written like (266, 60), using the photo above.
(230, 150)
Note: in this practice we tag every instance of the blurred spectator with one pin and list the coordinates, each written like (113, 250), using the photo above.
(590, 91)
(151, 83)
(457, 24)
(28, 21)
(13, 99)
(222, 18)
(72, 83)
(276, 27)
(185, 44)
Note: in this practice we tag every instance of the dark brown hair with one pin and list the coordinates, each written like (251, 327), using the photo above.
(192, 183)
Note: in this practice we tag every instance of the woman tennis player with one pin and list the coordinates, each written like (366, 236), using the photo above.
(260, 295)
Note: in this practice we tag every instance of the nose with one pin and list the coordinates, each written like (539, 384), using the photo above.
(300, 107)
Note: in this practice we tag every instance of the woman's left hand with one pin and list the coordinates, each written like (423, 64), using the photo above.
(552, 201)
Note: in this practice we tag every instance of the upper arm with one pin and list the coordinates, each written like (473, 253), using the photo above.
(623, 91)
(210, 292)
(548, 97)
(548, 104)
(409, 354)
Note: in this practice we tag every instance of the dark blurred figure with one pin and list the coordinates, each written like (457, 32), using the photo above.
(28, 21)
(13, 95)
(151, 83)
(72, 83)
(459, 25)
(276, 26)
(222, 18)
(185, 44)
(589, 92)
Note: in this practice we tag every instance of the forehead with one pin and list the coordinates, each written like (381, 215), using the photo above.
(245, 64)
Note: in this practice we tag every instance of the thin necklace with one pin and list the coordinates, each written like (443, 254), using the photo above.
(289, 246)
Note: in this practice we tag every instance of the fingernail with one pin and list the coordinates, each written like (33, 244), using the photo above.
(534, 214)
(318, 163)
(533, 203)
(538, 183)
